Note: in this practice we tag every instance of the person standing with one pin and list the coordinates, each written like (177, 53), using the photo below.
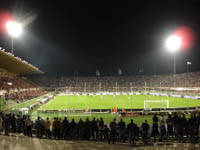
(132, 127)
(1, 123)
(73, 127)
(113, 127)
(122, 128)
(65, 127)
(13, 123)
(169, 122)
(162, 127)
(47, 128)
(101, 128)
(6, 125)
(28, 124)
(145, 132)
(38, 124)
(155, 132)
(94, 128)
(80, 129)
(87, 129)
(57, 127)
(19, 123)
(198, 125)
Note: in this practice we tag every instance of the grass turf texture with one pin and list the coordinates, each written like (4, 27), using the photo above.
(107, 117)
(12, 104)
(108, 101)
(103, 102)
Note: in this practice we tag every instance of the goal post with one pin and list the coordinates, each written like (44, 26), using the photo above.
(149, 104)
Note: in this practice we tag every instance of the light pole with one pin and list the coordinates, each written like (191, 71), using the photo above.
(14, 30)
(188, 63)
(173, 44)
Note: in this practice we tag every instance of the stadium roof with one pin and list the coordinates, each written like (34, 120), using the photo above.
(16, 65)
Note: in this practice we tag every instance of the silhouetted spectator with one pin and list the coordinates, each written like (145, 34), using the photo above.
(94, 128)
(65, 128)
(47, 128)
(28, 124)
(73, 128)
(145, 130)
(122, 129)
(57, 128)
(101, 128)
(113, 128)
(132, 129)
(87, 129)
(6, 125)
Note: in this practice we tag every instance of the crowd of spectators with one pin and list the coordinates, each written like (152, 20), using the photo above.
(17, 88)
(122, 83)
(10, 82)
(24, 95)
(175, 127)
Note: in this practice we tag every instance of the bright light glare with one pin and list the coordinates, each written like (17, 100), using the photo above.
(173, 43)
(14, 28)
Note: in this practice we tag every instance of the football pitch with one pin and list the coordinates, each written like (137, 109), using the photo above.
(82, 102)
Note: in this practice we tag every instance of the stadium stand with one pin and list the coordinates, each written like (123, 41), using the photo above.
(189, 82)
(12, 86)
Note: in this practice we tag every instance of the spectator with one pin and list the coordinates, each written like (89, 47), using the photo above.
(94, 129)
(28, 124)
(113, 127)
(87, 129)
(1, 123)
(57, 128)
(162, 127)
(169, 122)
(145, 130)
(47, 128)
(80, 129)
(132, 128)
(73, 127)
(6, 125)
(101, 128)
(122, 129)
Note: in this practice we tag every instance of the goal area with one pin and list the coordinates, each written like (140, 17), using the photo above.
(149, 104)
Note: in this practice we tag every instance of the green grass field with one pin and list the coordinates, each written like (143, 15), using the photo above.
(108, 101)
(103, 102)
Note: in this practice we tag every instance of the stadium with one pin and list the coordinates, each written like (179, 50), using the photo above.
(81, 83)
(27, 91)
(133, 97)
(108, 97)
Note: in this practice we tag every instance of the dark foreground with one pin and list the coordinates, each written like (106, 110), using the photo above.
(21, 142)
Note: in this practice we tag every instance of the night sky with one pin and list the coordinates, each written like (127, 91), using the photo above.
(78, 37)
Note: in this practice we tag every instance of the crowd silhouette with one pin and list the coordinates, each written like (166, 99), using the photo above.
(171, 127)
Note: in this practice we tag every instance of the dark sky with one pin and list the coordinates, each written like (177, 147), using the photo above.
(70, 37)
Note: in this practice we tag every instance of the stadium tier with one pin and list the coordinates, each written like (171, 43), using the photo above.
(12, 86)
(185, 82)
(16, 65)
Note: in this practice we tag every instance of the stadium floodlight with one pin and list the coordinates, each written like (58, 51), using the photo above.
(173, 43)
(14, 30)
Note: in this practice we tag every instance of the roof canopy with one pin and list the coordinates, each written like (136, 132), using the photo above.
(15, 65)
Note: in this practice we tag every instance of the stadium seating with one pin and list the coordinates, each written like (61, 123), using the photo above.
(18, 88)
(123, 83)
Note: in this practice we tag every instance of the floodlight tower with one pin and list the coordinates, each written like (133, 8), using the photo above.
(14, 30)
(173, 44)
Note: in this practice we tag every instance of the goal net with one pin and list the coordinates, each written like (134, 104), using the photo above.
(149, 104)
